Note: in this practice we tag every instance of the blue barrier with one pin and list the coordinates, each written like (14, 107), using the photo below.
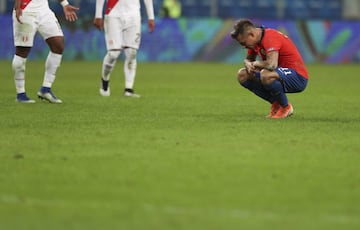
(264, 9)
(201, 40)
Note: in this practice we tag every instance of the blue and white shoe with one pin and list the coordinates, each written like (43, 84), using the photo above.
(45, 94)
(23, 98)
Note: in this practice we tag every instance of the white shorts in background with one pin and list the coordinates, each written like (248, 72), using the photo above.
(122, 32)
(43, 22)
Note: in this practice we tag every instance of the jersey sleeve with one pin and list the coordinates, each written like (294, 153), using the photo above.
(272, 42)
(99, 8)
(149, 9)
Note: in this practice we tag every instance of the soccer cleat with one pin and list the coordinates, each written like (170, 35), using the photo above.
(45, 94)
(284, 112)
(130, 93)
(104, 88)
(23, 98)
(275, 106)
(105, 93)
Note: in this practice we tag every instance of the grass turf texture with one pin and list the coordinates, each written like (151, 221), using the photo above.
(194, 152)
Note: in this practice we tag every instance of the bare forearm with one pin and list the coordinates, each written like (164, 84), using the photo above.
(17, 4)
(265, 65)
(270, 63)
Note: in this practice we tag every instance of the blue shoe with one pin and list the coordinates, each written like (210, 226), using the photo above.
(45, 94)
(23, 98)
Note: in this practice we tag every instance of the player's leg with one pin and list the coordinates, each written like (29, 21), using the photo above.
(130, 71)
(108, 65)
(18, 66)
(131, 38)
(252, 83)
(113, 34)
(292, 82)
(23, 40)
(273, 84)
(51, 31)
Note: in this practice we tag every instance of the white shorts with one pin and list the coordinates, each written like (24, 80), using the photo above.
(44, 22)
(122, 32)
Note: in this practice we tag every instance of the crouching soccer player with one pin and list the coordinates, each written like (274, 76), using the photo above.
(281, 69)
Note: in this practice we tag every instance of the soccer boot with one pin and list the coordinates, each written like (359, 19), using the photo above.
(130, 93)
(105, 93)
(23, 98)
(45, 94)
(274, 108)
(104, 88)
(284, 112)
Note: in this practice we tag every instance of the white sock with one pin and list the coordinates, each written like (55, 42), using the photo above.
(52, 63)
(130, 67)
(18, 65)
(109, 63)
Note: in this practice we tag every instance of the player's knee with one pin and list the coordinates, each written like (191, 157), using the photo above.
(56, 44)
(130, 54)
(267, 77)
(18, 64)
(57, 49)
(114, 54)
(242, 75)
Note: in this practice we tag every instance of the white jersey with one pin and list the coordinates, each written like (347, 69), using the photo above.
(119, 8)
(34, 5)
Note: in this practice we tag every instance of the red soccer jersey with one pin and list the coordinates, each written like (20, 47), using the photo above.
(24, 3)
(289, 56)
(110, 5)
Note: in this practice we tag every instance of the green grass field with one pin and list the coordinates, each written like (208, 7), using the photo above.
(194, 152)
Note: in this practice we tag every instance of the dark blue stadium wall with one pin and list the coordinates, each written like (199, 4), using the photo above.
(201, 39)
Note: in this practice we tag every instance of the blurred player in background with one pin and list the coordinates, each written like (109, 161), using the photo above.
(171, 9)
(29, 17)
(122, 26)
(281, 69)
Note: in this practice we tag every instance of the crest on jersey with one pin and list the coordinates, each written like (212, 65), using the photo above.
(25, 38)
(263, 52)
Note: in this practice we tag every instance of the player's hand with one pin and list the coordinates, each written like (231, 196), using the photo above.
(257, 65)
(70, 13)
(98, 23)
(151, 25)
(18, 14)
(250, 68)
